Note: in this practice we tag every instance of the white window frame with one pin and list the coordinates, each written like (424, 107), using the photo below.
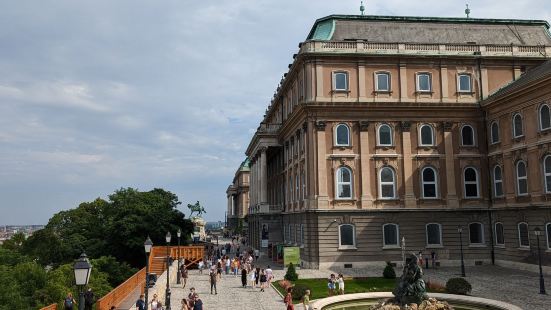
(459, 90)
(432, 138)
(377, 88)
(335, 73)
(430, 245)
(348, 247)
(391, 246)
(498, 181)
(545, 174)
(503, 234)
(492, 133)
(435, 182)
(483, 243)
(347, 134)
(515, 133)
(338, 182)
(547, 225)
(381, 183)
(379, 135)
(519, 178)
(527, 233)
(419, 90)
(472, 135)
(539, 116)
(471, 182)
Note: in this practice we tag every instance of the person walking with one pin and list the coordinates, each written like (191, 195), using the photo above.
(340, 282)
(154, 303)
(184, 273)
(69, 302)
(201, 266)
(288, 300)
(89, 299)
(185, 305)
(213, 279)
(331, 285)
(140, 303)
(244, 277)
(252, 278)
(269, 275)
(228, 264)
(257, 276)
(263, 280)
(306, 300)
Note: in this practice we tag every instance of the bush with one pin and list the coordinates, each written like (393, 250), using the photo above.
(291, 274)
(458, 286)
(299, 290)
(284, 284)
(389, 272)
(435, 286)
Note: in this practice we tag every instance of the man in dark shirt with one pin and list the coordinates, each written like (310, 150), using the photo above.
(140, 303)
(89, 299)
(213, 279)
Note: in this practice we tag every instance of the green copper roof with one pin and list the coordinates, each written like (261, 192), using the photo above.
(245, 165)
(324, 30)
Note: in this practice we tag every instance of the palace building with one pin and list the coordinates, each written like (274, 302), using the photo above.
(389, 129)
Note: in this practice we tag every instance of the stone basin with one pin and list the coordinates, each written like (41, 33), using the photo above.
(359, 301)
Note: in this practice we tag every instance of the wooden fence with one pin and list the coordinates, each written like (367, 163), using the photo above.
(50, 307)
(119, 294)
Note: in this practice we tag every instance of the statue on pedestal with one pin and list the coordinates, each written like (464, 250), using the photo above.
(411, 287)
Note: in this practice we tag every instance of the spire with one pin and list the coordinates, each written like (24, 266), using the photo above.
(467, 10)
(362, 7)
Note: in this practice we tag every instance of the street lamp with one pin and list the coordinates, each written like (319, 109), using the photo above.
(167, 295)
(147, 246)
(537, 231)
(460, 230)
(82, 269)
(178, 273)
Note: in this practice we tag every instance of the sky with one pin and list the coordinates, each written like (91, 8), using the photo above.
(101, 95)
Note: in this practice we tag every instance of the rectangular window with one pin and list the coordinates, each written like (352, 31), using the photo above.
(390, 235)
(476, 233)
(434, 235)
(302, 234)
(382, 82)
(464, 83)
(423, 82)
(340, 81)
(500, 239)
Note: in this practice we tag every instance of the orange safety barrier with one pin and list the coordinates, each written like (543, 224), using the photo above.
(119, 294)
(50, 307)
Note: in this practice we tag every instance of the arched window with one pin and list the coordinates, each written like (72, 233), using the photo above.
(494, 133)
(517, 126)
(347, 236)
(545, 117)
(385, 135)
(342, 135)
(500, 237)
(429, 182)
(391, 235)
(344, 183)
(523, 235)
(548, 235)
(467, 135)
(426, 135)
(522, 179)
(547, 173)
(387, 183)
(434, 234)
(476, 233)
(470, 180)
(498, 182)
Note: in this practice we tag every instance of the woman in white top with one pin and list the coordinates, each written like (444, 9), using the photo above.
(252, 278)
(340, 282)
(154, 302)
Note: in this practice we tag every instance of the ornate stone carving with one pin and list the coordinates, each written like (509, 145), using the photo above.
(364, 125)
(320, 125)
(406, 126)
(447, 126)
(305, 126)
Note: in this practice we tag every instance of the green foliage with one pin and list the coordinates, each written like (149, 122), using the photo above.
(388, 272)
(299, 290)
(15, 242)
(117, 272)
(291, 274)
(11, 257)
(116, 227)
(458, 286)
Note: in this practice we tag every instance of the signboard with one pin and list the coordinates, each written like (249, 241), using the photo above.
(264, 243)
(264, 236)
(291, 254)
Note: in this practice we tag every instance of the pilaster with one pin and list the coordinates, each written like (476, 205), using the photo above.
(365, 166)
(322, 166)
(409, 198)
(453, 201)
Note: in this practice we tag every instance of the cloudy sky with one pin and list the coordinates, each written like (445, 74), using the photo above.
(99, 95)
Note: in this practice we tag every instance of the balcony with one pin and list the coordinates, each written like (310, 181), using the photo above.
(265, 209)
(268, 128)
(361, 47)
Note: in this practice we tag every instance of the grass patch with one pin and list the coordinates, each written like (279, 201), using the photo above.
(318, 287)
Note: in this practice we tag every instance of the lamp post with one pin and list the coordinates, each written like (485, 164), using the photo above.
(167, 294)
(460, 230)
(537, 232)
(82, 269)
(178, 273)
(148, 244)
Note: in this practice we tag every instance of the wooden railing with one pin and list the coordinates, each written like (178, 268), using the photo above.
(121, 292)
(191, 253)
(50, 307)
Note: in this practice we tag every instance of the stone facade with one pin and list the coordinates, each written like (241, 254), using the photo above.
(367, 141)
(238, 199)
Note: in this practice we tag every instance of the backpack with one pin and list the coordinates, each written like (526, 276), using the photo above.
(69, 303)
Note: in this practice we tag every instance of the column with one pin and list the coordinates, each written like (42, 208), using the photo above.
(263, 177)
(366, 198)
(322, 166)
(409, 198)
(403, 82)
(444, 82)
(453, 202)
(362, 92)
